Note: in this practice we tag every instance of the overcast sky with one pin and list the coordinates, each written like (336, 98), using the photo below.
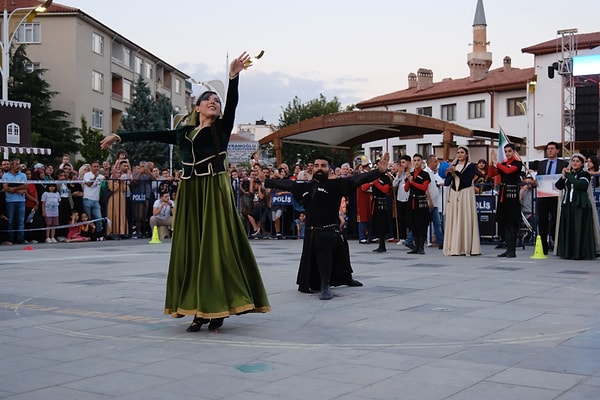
(351, 49)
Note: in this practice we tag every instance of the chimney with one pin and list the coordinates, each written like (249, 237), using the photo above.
(412, 80)
(507, 64)
(424, 79)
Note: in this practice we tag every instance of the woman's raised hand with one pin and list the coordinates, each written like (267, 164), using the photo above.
(240, 63)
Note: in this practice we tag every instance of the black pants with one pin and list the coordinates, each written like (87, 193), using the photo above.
(402, 210)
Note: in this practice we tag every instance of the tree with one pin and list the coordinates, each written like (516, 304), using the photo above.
(296, 112)
(49, 128)
(146, 113)
(90, 143)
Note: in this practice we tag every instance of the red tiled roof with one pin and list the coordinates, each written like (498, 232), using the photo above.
(582, 41)
(497, 80)
(239, 138)
(54, 7)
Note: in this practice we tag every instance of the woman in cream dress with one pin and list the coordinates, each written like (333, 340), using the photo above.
(461, 233)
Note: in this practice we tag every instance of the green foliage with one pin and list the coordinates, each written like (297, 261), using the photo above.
(49, 128)
(146, 114)
(296, 112)
(90, 143)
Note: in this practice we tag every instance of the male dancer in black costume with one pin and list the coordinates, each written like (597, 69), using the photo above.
(325, 259)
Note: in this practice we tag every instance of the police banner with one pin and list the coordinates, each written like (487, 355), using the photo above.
(284, 199)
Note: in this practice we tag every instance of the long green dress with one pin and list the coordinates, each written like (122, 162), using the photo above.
(576, 230)
(212, 269)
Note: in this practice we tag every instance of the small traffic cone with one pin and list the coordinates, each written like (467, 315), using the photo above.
(28, 248)
(155, 238)
(539, 249)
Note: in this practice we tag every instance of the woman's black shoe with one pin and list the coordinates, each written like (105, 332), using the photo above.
(196, 324)
(215, 324)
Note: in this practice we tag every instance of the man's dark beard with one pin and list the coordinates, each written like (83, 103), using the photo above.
(320, 176)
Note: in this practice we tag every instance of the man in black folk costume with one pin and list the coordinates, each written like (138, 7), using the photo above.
(325, 259)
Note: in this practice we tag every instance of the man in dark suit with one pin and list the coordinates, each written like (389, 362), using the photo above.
(546, 206)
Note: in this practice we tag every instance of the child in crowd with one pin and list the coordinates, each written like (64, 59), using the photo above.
(50, 204)
(87, 229)
(300, 225)
(74, 234)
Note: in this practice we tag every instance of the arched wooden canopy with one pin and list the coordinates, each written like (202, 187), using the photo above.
(347, 129)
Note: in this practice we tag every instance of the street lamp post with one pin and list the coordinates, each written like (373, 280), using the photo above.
(10, 23)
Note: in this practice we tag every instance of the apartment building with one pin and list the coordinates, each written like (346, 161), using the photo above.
(94, 68)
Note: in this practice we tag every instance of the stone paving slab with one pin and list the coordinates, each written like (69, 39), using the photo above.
(84, 321)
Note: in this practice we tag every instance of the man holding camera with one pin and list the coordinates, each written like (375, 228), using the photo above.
(162, 211)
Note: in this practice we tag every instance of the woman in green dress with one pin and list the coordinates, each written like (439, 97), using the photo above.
(576, 227)
(212, 270)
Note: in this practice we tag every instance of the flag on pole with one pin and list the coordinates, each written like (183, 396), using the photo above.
(503, 141)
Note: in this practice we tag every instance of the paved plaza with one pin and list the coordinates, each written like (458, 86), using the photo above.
(84, 321)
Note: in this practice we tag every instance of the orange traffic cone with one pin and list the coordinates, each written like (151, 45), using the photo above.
(155, 238)
(539, 249)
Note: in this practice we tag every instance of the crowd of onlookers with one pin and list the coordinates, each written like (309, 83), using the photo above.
(98, 201)
(274, 220)
(116, 200)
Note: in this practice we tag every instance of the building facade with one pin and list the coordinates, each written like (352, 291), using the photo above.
(526, 103)
(93, 68)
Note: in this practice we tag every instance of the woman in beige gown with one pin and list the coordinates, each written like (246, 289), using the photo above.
(461, 233)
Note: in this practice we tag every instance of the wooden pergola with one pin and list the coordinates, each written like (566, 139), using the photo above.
(347, 129)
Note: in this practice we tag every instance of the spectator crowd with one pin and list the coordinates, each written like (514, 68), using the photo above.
(422, 202)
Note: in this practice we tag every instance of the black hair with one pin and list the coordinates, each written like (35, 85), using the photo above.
(594, 161)
(205, 96)
(322, 157)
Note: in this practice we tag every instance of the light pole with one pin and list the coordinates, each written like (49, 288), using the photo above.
(525, 107)
(10, 24)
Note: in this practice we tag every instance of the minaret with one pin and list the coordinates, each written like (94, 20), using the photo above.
(479, 60)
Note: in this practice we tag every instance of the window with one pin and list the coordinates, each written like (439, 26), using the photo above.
(126, 57)
(424, 149)
(97, 117)
(148, 71)
(13, 133)
(97, 81)
(449, 112)
(126, 91)
(425, 111)
(476, 109)
(29, 33)
(32, 67)
(375, 153)
(515, 106)
(177, 86)
(138, 65)
(397, 152)
(97, 44)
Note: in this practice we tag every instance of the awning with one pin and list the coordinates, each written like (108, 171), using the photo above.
(25, 150)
